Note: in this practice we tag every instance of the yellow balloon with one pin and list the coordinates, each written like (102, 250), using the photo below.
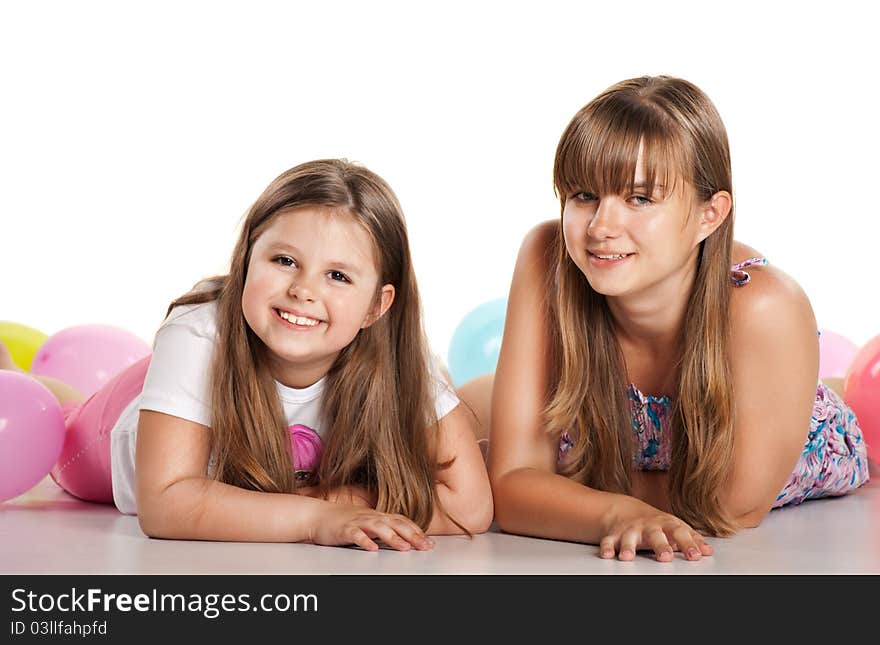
(22, 341)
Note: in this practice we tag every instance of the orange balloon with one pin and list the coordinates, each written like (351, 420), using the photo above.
(861, 391)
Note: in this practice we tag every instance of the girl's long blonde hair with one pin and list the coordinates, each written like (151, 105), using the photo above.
(682, 138)
(377, 402)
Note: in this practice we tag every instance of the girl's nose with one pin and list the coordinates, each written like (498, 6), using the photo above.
(301, 289)
(606, 220)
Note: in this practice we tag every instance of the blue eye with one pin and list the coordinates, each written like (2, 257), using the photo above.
(585, 196)
(338, 276)
(641, 200)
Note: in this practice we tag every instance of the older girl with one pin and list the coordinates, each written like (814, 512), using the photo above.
(656, 379)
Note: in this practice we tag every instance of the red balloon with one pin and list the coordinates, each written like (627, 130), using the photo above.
(861, 391)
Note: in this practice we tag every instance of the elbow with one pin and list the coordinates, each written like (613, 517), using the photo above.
(506, 522)
(748, 515)
(478, 518)
(481, 519)
(473, 517)
(161, 517)
(748, 507)
(752, 519)
(158, 521)
(505, 507)
(152, 524)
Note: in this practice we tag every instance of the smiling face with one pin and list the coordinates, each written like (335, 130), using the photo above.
(626, 243)
(311, 286)
(643, 171)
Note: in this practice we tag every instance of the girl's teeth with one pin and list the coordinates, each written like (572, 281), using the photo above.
(298, 320)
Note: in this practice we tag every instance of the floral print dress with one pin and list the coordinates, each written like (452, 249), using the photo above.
(834, 458)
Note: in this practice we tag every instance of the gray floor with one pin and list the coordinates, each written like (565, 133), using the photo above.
(47, 531)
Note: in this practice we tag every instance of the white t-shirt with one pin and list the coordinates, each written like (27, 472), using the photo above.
(178, 383)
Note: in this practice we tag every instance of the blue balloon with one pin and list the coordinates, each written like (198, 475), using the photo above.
(476, 341)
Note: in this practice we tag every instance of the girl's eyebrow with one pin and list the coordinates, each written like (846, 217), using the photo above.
(336, 264)
(284, 247)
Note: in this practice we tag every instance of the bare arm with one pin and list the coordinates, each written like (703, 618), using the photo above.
(176, 500)
(462, 488)
(775, 364)
(530, 497)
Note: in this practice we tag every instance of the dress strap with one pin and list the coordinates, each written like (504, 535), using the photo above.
(738, 276)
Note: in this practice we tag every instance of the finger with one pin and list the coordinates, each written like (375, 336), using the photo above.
(608, 546)
(629, 541)
(382, 529)
(684, 535)
(657, 541)
(412, 533)
(361, 539)
(705, 547)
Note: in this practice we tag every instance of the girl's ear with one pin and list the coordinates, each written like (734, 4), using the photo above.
(386, 297)
(713, 213)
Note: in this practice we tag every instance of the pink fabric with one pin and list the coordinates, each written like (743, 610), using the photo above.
(83, 469)
(307, 448)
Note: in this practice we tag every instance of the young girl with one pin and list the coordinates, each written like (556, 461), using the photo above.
(293, 400)
(656, 378)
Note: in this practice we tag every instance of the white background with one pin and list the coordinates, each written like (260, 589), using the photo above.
(134, 136)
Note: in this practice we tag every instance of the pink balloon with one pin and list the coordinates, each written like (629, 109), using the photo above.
(87, 356)
(31, 433)
(835, 354)
(861, 391)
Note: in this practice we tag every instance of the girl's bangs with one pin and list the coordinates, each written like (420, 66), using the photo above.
(599, 152)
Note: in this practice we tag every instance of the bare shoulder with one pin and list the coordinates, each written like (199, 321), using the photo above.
(771, 304)
(540, 244)
(742, 252)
